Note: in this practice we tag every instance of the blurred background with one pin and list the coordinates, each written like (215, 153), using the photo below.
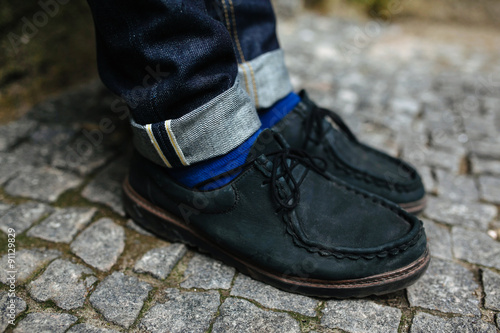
(48, 46)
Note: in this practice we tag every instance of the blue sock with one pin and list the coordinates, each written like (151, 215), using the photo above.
(193, 175)
(271, 116)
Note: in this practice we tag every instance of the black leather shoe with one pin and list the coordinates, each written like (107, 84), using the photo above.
(322, 132)
(285, 221)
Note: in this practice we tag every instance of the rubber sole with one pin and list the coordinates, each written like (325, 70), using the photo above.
(171, 228)
(414, 207)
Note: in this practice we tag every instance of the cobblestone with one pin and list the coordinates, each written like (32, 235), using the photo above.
(491, 282)
(444, 160)
(439, 240)
(27, 263)
(45, 322)
(21, 217)
(182, 312)
(4, 207)
(207, 273)
(456, 188)
(32, 155)
(407, 91)
(490, 189)
(430, 184)
(63, 224)
(483, 166)
(86, 328)
(273, 298)
(360, 316)
(486, 149)
(446, 287)
(62, 283)
(120, 298)
(10, 308)
(14, 131)
(424, 323)
(159, 262)
(67, 158)
(100, 244)
(476, 247)
(106, 188)
(45, 184)
(468, 215)
(237, 315)
(9, 167)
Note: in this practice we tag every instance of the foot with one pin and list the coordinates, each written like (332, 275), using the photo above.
(285, 221)
(323, 133)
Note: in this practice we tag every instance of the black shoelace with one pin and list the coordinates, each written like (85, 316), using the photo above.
(314, 124)
(284, 162)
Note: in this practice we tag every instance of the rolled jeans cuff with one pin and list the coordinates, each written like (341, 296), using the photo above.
(212, 130)
(265, 78)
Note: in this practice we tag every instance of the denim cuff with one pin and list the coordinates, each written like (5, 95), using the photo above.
(212, 130)
(266, 78)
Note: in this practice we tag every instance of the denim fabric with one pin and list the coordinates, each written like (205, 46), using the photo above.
(190, 71)
(213, 129)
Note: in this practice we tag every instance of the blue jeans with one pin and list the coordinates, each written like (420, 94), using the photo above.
(193, 72)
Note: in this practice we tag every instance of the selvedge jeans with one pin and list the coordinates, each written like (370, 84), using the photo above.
(193, 72)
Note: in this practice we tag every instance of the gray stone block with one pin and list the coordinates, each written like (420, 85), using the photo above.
(425, 323)
(106, 188)
(439, 240)
(485, 149)
(10, 308)
(456, 188)
(27, 262)
(483, 166)
(21, 217)
(159, 262)
(45, 322)
(273, 298)
(361, 316)
(237, 315)
(468, 215)
(207, 273)
(62, 283)
(491, 282)
(100, 244)
(475, 247)
(446, 287)
(45, 184)
(9, 167)
(63, 224)
(490, 189)
(182, 312)
(14, 131)
(87, 328)
(120, 298)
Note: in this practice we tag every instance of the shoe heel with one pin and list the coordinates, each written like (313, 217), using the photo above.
(151, 222)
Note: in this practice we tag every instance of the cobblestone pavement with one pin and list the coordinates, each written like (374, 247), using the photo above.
(81, 266)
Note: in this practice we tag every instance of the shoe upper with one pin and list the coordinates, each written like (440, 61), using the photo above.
(285, 214)
(323, 133)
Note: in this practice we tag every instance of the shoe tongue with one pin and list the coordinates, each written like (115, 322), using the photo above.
(268, 141)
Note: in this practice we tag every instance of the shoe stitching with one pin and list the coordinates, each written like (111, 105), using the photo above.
(361, 175)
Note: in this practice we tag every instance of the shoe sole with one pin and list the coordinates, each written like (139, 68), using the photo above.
(415, 207)
(172, 229)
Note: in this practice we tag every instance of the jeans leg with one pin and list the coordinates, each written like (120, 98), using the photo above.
(261, 66)
(175, 66)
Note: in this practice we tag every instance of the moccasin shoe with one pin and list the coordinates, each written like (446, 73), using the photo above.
(322, 133)
(287, 222)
